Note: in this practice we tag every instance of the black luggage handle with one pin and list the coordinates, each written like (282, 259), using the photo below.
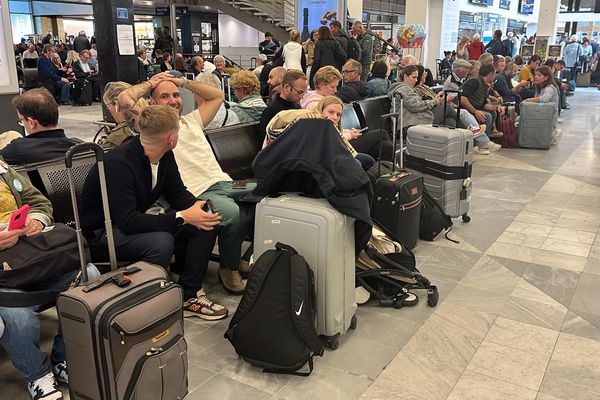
(445, 97)
(393, 116)
(82, 148)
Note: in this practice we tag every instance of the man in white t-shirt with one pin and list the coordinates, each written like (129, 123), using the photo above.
(198, 167)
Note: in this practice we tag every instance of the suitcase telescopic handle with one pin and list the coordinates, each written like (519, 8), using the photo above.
(459, 94)
(393, 116)
(82, 148)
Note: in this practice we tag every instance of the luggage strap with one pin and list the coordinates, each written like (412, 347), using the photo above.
(444, 172)
(311, 366)
(119, 277)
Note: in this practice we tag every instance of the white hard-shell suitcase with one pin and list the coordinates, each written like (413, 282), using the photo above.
(325, 238)
(445, 156)
(536, 124)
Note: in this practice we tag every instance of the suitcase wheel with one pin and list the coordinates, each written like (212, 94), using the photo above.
(432, 296)
(353, 322)
(333, 344)
(466, 219)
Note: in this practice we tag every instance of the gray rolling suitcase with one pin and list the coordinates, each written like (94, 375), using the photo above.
(536, 125)
(123, 332)
(325, 238)
(445, 156)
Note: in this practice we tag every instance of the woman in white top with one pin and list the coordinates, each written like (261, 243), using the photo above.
(293, 54)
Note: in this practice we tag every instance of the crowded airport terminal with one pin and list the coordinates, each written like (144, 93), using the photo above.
(299, 199)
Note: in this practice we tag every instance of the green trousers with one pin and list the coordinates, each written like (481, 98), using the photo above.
(225, 201)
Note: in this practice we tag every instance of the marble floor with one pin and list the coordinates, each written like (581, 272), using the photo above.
(519, 310)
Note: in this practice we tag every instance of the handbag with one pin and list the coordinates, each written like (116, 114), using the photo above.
(34, 260)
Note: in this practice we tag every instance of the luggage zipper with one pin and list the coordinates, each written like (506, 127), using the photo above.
(137, 370)
(143, 294)
(123, 333)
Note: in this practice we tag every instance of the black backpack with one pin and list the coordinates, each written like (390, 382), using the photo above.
(507, 47)
(354, 50)
(265, 331)
(434, 220)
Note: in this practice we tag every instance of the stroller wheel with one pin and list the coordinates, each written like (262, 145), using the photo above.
(410, 299)
(398, 303)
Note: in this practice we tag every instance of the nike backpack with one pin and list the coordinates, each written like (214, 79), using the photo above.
(274, 325)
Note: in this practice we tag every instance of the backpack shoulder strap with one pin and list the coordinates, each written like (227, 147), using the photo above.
(27, 299)
(303, 307)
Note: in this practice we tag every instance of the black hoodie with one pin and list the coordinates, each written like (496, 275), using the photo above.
(353, 91)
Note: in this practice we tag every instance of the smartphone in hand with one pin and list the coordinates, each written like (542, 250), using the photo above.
(208, 207)
(18, 218)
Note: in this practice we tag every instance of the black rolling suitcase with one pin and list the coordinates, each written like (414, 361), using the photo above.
(82, 92)
(396, 207)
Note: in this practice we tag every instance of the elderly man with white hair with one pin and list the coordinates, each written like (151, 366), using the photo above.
(261, 60)
(200, 66)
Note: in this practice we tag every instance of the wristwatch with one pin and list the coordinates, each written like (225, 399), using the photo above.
(179, 219)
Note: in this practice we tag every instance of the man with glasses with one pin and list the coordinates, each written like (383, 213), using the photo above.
(354, 89)
(294, 86)
(38, 114)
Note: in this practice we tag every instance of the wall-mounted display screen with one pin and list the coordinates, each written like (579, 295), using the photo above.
(526, 6)
(505, 4)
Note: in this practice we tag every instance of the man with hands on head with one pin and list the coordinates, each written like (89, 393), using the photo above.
(138, 173)
(197, 165)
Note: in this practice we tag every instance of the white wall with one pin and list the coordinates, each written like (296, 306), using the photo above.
(235, 33)
(74, 26)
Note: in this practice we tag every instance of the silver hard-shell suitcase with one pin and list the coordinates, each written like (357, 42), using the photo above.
(325, 238)
(445, 156)
(123, 331)
(536, 124)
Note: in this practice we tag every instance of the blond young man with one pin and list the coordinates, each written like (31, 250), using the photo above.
(138, 173)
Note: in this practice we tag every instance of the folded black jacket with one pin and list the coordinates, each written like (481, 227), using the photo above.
(310, 157)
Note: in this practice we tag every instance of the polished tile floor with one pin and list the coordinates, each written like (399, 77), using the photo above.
(519, 312)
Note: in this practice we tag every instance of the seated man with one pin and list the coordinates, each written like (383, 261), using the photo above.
(44, 140)
(504, 85)
(294, 86)
(138, 173)
(475, 100)
(459, 74)
(527, 74)
(197, 164)
(354, 88)
(199, 66)
(49, 74)
(83, 70)
(274, 82)
(20, 326)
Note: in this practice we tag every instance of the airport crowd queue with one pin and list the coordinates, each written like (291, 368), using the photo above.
(167, 191)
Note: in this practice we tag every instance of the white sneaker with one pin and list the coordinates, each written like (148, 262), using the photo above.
(491, 146)
(480, 151)
(44, 388)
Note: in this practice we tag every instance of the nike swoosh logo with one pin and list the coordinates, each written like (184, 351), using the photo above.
(300, 309)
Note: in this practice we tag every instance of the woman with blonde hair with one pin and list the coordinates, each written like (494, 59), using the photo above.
(462, 51)
(72, 57)
(246, 88)
(224, 116)
(293, 54)
(125, 119)
(326, 81)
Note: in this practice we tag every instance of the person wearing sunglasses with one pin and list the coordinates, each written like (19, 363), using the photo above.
(354, 89)
(294, 86)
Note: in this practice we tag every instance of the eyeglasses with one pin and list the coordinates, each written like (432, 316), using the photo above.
(300, 92)
(20, 121)
(348, 71)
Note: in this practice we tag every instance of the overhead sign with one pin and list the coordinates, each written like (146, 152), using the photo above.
(162, 11)
(182, 11)
(122, 13)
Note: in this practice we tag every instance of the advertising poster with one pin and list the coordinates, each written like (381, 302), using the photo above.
(526, 50)
(313, 14)
(8, 68)
(554, 50)
(541, 46)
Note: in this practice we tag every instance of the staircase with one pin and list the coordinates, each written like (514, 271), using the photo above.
(275, 16)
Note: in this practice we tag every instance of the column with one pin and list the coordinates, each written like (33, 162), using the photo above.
(114, 65)
(9, 85)
(429, 14)
(548, 19)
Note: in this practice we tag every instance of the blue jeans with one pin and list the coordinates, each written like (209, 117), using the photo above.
(63, 89)
(22, 332)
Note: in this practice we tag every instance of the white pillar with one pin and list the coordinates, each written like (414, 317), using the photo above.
(355, 8)
(428, 13)
(548, 19)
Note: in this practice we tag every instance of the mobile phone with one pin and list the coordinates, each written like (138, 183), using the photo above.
(208, 207)
(361, 130)
(18, 218)
(239, 184)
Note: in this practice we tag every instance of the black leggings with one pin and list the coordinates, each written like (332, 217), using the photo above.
(369, 143)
